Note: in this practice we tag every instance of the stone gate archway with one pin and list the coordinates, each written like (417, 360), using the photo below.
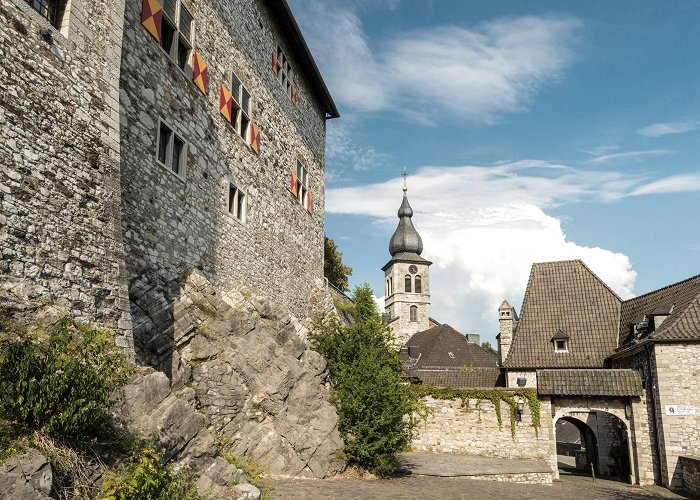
(605, 437)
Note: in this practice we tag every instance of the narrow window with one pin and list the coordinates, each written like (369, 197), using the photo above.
(407, 283)
(51, 10)
(560, 346)
(240, 118)
(302, 183)
(419, 285)
(391, 285)
(284, 75)
(167, 35)
(414, 313)
(171, 150)
(236, 202)
(176, 32)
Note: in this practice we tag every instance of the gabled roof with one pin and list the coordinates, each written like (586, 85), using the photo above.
(567, 296)
(432, 349)
(302, 55)
(589, 383)
(455, 379)
(680, 301)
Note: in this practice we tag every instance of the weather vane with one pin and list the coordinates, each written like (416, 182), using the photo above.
(404, 173)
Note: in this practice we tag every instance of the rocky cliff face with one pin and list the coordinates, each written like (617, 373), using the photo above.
(245, 365)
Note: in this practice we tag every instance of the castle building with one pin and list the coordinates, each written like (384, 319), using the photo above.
(406, 279)
(143, 140)
(623, 372)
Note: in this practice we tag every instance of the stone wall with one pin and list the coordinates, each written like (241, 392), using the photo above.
(177, 223)
(529, 376)
(678, 383)
(60, 226)
(690, 473)
(474, 429)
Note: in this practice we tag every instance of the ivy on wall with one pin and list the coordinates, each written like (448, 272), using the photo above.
(495, 396)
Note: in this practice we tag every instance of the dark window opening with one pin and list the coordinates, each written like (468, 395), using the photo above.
(419, 285)
(414, 313)
(186, 23)
(163, 141)
(183, 54)
(178, 147)
(51, 10)
(407, 283)
(167, 32)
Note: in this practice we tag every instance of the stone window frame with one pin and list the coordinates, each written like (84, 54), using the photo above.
(55, 12)
(179, 38)
(69, 17)
(240, 115)
(417, 284)
(389, 286)
(407, 283)
(303, 182)
(413, 313)
(284, 75)
(236, 208)
(168, 156)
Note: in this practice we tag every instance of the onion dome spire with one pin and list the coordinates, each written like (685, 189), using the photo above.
(405, 239)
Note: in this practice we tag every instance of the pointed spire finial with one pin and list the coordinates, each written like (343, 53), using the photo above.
(404, 173)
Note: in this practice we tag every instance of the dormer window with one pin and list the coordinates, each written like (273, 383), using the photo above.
(560, 341)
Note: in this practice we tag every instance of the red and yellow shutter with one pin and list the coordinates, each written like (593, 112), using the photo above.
(151, 17)
(225, 102)
(254, 137)
(200, 73)
(309, 204)
(293, 183)
(294, 96)
(275, 64)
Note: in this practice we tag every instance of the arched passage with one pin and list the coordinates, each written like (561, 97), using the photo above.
(603, 440)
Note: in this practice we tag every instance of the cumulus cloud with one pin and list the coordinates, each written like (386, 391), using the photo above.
(661, 129)
(475, 73)
(483, 227)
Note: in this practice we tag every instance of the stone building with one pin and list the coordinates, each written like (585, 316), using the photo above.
(624, 372)
(406, 279)
(142, 140)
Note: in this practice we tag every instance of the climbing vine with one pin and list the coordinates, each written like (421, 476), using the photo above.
(495, 396)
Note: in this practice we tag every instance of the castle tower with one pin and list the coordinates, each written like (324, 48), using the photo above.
(507, 319)
(406, 279)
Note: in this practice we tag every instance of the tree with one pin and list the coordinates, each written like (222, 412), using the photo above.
(369, 392)
(486, 346)
(333, 267)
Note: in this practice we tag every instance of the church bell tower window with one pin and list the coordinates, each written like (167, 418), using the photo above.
(414, 313)
(407, 283)
(418, 285)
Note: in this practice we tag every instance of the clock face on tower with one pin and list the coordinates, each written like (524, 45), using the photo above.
(412, 269)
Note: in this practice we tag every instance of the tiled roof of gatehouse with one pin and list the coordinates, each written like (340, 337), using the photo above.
(601, 382)
(565, 296)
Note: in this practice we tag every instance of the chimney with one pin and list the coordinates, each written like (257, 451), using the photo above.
(506, 321)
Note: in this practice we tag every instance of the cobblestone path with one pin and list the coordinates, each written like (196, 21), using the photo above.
(448, 488)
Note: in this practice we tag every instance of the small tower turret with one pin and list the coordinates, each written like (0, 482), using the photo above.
(507, 320)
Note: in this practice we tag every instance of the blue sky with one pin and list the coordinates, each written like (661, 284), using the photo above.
(533, 131)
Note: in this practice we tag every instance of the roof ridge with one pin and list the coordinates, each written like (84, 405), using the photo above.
(663, 288)
(600, 280)
(696, 299)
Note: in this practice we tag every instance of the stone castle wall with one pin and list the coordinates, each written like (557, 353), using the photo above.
(677, 367)
(474, 430)
(176, 223)
(60, 228)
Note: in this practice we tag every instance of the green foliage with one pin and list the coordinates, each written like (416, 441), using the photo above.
(486, 346)
(333, 267)
(374, 403)
(256, 474)
(59, 381)
(495, 396)
(11, 441)
(144, 476)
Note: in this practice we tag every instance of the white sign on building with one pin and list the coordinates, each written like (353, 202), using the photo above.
(681, 410)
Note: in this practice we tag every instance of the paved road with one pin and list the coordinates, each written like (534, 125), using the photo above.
(447, 488)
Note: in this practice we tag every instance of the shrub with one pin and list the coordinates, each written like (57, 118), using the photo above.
(59, 381)
(256, 474)
(144, 476)
(374, 403)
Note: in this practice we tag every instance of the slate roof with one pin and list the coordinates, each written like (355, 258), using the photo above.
(431, 349)
(566, 296)
(473, 377)
(589, 383)
(682, 323)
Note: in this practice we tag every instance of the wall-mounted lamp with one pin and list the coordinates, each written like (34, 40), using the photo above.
(520, 406)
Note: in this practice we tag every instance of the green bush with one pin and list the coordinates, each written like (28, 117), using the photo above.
(374, 403)
(144, 476)
(256, 474)
(60, 380)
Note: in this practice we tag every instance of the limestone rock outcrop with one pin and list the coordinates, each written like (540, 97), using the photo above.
(26, 476)
(245, 365)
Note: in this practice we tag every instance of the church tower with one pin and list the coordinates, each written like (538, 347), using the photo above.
(406, 279)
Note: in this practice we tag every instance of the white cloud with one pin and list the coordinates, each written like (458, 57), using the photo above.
(346, 153)
(682, 183)
(661, 129)
(473, 73)
(629, 155)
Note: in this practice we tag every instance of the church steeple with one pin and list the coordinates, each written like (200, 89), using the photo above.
(407, 291)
